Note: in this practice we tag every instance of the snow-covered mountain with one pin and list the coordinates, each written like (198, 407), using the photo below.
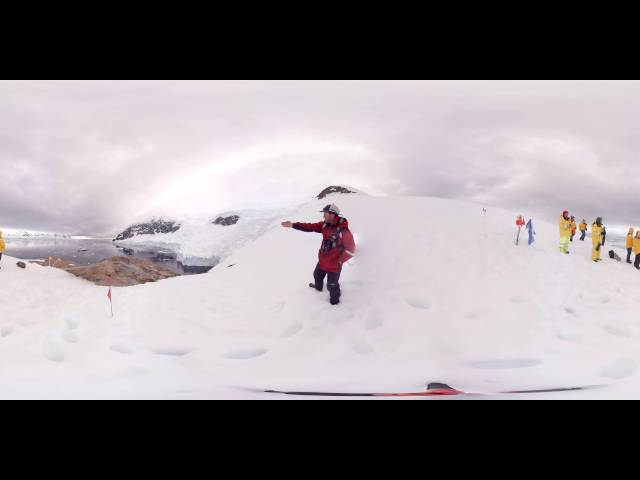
(437, 291)
(31, 234)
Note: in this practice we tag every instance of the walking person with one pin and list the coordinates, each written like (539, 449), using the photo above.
(583, 229)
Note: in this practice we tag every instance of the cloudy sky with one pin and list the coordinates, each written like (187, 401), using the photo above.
(94, 156)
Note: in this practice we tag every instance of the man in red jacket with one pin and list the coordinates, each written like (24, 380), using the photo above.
(337, 247)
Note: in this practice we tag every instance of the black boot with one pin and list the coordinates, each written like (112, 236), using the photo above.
(313, 285)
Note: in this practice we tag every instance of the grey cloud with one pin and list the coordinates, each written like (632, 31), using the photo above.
(86, 156)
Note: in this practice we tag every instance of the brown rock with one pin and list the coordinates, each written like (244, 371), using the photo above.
(121, 272)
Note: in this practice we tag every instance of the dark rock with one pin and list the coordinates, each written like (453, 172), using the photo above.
(196, 269)
(150, 228)
(226, 221)
(333, 189)
(22, 264)
(163, 257)
(127, 251)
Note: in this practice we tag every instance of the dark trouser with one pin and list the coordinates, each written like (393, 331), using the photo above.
(0, 256)
(332, 283)
(584, 233)
(629, 250)
(637, 264)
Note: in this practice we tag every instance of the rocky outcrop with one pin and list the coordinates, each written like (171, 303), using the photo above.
(120, 272)
(226, 221)
(153, 227)
(333, 189)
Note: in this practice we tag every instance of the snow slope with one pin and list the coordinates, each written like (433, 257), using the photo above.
(437, 292)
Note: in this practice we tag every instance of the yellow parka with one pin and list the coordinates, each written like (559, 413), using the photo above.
(596, 234)
(636, 243)
(565, 227)
(2, 245)
(583, 226)
(630, 238)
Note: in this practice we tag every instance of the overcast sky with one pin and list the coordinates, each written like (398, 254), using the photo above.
(94, 156)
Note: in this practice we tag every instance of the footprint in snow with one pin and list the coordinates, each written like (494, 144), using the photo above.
(121, 348)
(505, 364)
(53, 351)
(71, 324)
(373, 322)
(245, 354)
(291, 330)
(621, 368)
(173, 351)
(567, 336)
(70, 336)
(518, 300)
(6, 331)
(618, 330)
(420, 303)
(360, 346)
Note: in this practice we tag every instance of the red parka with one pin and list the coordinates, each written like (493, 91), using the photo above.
(337, 245)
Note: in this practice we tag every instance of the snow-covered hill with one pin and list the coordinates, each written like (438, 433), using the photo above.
(200, 241)
(437, 292)
(31, 234)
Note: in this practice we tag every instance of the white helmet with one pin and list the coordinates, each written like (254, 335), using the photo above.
(333, 208)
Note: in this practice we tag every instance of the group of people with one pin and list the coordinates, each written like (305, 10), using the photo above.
(2, 246)
(568, 230)
(633, 246)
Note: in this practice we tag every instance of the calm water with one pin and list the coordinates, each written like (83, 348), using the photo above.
(90, 251)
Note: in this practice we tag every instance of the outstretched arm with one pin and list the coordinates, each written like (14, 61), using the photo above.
(304, 227)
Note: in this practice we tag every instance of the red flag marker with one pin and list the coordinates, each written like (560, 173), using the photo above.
(110, 300)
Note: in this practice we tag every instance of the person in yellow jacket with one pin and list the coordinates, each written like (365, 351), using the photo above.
(573, 227)
(565, 232)
(583, 229)
(636, 249)
(596, 239)
(2, 246)
(629, 244)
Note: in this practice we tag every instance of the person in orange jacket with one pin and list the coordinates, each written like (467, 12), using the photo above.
(519, 225)
(574, 227)
(630, 244)
(2, 246)
(583, 229)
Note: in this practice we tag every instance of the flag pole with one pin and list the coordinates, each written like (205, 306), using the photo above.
(110, 301)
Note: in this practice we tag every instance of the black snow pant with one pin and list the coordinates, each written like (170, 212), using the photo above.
(637, 264)
(629, 250)
(0, 256)
(333, 284)
(584, 233)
